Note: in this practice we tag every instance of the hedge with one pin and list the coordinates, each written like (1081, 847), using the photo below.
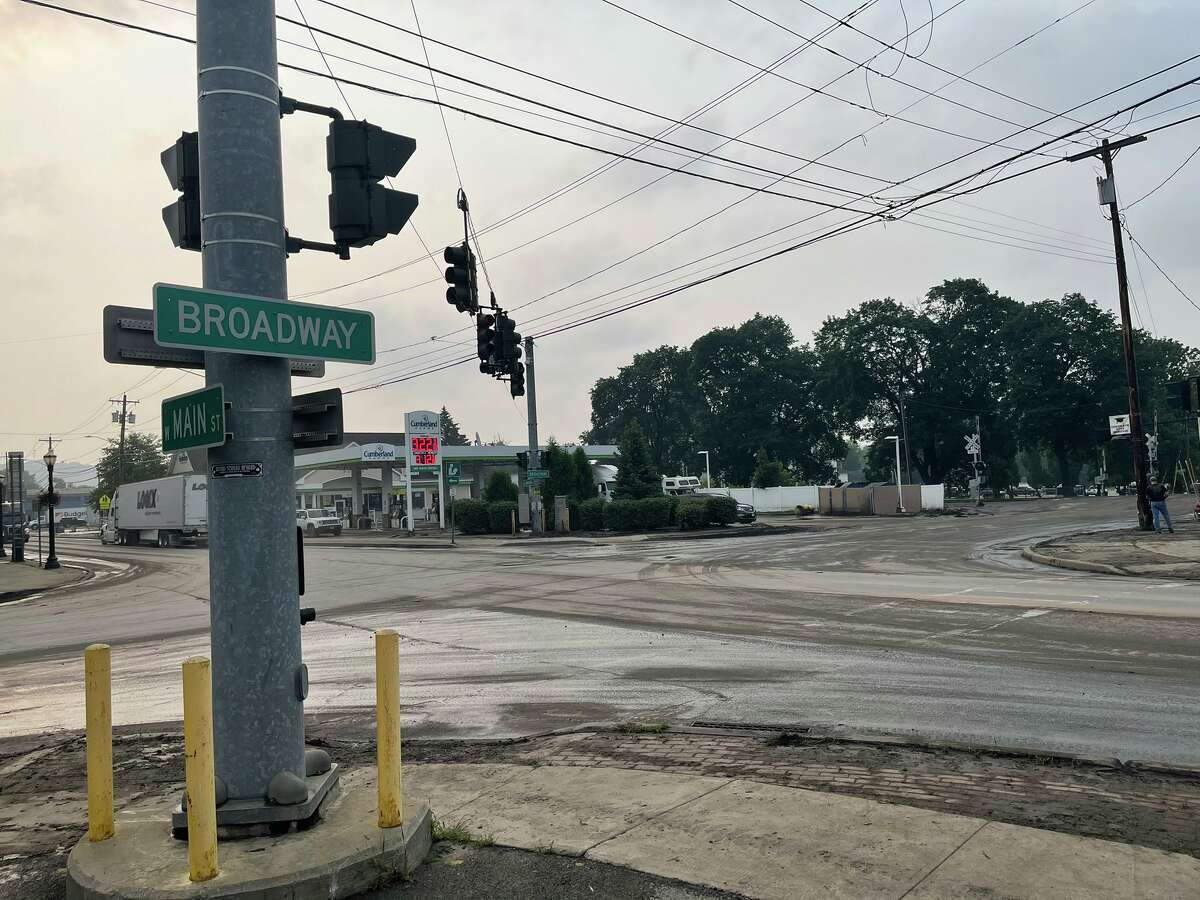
(500, 516)
(692, 513)
(720, 510)
(621, 515)
(653, 512)
(591, 515)
(471, 516)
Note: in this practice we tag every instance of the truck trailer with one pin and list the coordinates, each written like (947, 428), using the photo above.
(163, 511)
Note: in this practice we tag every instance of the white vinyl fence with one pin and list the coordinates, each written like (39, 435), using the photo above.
(776, 499)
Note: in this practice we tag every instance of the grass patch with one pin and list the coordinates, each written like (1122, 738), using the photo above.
(640, 728)
(459, 833)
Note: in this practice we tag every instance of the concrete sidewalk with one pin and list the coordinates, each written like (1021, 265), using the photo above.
(1128, 552)
(18, 580)
(768, 841)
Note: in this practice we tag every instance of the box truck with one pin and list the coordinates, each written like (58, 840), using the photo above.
(163, 511)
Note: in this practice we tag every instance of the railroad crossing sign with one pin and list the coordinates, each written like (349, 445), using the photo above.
(972, 442)
(193, 420)
(192, 318)
(453, 472)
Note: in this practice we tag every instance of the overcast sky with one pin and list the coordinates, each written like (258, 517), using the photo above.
(88, 108)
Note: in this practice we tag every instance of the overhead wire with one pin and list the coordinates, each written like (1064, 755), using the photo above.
(1177, 170)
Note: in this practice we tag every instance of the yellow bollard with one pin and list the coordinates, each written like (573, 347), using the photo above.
(387, 727)
(97, 673)
(198, 769)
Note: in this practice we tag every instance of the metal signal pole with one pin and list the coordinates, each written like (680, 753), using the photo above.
(535, 502)
(1108, 196)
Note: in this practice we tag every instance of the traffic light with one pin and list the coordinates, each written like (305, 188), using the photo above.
(485, 338)
(522, 459)
(508, 343)
(181, 162)
(359, 155)
(516, 384)
(543, 459)
(463, 293)
(1187, 394)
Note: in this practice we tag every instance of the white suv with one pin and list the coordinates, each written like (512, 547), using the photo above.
(318, 521)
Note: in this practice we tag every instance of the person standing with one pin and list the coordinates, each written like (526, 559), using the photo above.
(1157, 495)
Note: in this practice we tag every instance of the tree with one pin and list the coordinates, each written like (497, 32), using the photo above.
(657, 392)
(759, 390)
(561, 474)
(143, 460)
(636, 476)
(451, 436)
(585, 484)
(770, 473)
(499, 486)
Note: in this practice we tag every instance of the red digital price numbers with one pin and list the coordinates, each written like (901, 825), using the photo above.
(424, 450)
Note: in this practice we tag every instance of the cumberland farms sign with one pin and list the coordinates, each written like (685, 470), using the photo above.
(236, 323)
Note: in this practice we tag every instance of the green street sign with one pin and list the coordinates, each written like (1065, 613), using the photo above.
(453, 472)
(537, 474)
(259, 326)
(195, 419)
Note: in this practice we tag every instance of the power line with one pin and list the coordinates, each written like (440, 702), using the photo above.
(1154, 262)
(1178, 169)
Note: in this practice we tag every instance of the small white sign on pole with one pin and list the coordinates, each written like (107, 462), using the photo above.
(1118, 426)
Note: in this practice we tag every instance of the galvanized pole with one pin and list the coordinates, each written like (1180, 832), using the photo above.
(535, 503)
(259, 681)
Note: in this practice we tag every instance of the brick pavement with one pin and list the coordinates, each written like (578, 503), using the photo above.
(1157, 809)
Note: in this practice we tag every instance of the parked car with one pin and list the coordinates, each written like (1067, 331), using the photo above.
(746, 513)
(318, 521)
(1024, 490)
(69, 523)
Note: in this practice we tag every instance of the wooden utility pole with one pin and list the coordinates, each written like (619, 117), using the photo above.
(1108, 196)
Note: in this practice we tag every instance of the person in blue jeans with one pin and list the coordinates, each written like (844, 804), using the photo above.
(1157, 495)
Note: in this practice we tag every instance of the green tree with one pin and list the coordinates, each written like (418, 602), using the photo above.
(143, 460)
(450, 433)
(561, 474)
(585, 485)
(636, 475)
(499, 486)
(770, 472)
(656, 391)
(760, 390)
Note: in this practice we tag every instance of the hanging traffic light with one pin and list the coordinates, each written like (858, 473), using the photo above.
(463, 293)
(360, 155)
(508, 343)
(516, 383)
(181, 162)
(485, 338)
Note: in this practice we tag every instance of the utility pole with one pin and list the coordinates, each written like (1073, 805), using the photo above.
(124, 414)
(904, 435)
(1108, 195)
(259, 682)
(535, 502)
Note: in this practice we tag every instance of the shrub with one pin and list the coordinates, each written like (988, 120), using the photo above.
(573, 509)
(653, 512)
(720, 510)
(673, 512)
(500, 516)
(692, 513)
(620, 515)
(591, 515)
(499, 487)
(471, 516)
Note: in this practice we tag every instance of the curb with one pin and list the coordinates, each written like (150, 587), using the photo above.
(1078, 565)
(13, 596)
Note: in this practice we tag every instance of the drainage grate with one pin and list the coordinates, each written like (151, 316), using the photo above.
(753, 726)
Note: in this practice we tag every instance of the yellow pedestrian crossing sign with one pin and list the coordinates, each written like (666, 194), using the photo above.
(105, 503)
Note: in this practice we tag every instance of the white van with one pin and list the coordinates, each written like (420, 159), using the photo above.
(680, 485)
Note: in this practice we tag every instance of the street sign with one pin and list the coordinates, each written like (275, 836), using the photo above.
(105, 503)
(537, 474)
(192, 318)
(237, 470)
(453, 472)
(195, 419)
(1118, 426)
(129, 340)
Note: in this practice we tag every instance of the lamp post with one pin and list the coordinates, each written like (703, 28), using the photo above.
(707, 469)
(899, 486)
(50, 458)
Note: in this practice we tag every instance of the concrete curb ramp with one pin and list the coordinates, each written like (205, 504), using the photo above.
(768, 841)
(1078, 565)
(343, 855)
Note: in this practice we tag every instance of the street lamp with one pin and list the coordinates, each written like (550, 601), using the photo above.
(50, 459)
(899, 486)
(707, 469)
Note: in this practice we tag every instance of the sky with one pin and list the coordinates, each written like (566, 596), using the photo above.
(89, 107)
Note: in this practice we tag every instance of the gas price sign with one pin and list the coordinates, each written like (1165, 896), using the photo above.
(424, 450)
